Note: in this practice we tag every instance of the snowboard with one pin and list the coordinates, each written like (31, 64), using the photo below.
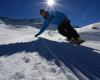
(77, 43)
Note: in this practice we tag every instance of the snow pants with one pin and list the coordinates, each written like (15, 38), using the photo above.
(66, 29)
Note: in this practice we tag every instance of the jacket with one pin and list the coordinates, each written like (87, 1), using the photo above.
(54, 17)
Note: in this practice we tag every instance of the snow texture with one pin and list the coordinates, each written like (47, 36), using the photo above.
(50, 56)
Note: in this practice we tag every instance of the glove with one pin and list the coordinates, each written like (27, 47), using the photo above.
(36, 35)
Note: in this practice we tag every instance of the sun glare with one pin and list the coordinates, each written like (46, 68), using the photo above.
(50, 2)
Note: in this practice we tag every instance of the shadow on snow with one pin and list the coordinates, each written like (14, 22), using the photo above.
(80, 57)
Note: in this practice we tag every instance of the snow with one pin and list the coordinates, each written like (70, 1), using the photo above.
(48, 57)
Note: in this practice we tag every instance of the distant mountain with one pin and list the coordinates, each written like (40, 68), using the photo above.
(21, 22)
(93, 26)
(28, 22)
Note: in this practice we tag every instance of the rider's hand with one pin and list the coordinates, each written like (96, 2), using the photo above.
(36, 35)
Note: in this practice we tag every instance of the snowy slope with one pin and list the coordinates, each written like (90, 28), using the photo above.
(48, 57)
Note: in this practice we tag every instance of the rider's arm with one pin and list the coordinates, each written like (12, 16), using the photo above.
(45, 25)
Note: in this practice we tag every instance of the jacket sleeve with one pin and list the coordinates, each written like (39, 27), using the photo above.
(45, 25)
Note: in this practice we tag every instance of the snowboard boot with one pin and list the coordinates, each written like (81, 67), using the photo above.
(72, 40)
(78, 40)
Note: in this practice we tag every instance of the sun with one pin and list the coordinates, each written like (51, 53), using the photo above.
(50, 2)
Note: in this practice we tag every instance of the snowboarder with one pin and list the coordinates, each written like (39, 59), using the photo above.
(63, 23)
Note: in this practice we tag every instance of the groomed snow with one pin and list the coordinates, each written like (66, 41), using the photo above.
(48, 57)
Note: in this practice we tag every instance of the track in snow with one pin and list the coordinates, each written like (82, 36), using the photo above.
(80, 59)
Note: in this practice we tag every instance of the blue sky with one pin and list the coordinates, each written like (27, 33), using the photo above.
(81, 12)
